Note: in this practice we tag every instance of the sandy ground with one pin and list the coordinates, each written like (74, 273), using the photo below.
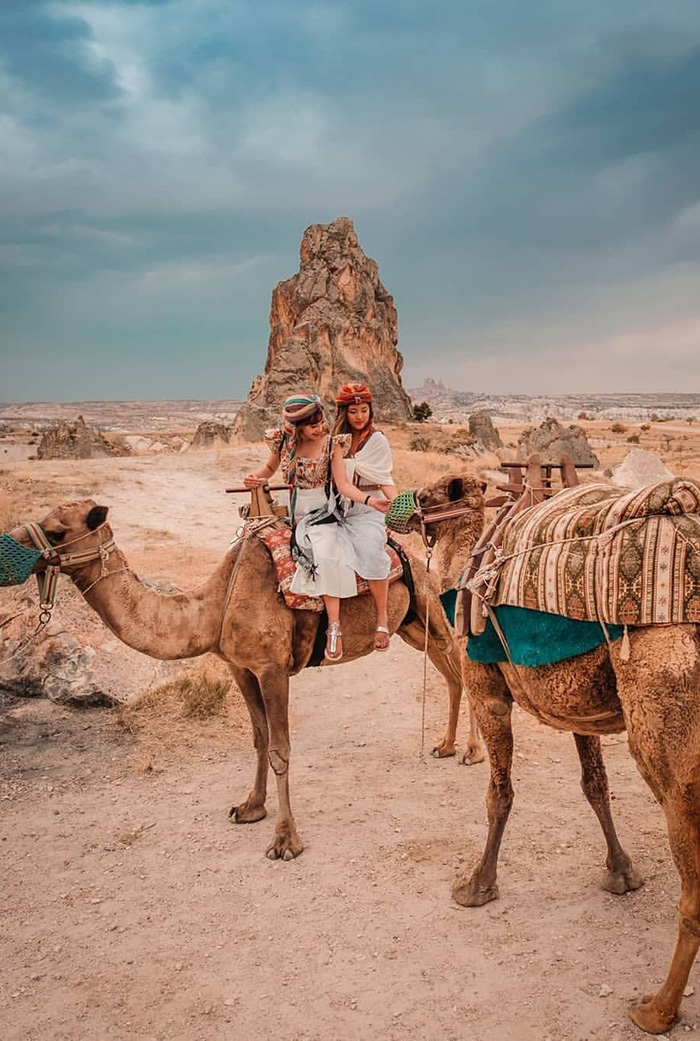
(132, 908)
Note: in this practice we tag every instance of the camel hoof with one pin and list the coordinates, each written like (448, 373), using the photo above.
(473, 755)
(651, 1019)
(620, 882)
(284, 848)
(443, 751)
(470, 894)
(245, 814)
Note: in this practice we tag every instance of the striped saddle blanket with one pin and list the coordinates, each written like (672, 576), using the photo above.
(277, 538)
(595, 553)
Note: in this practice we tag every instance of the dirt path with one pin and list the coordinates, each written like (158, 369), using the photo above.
(133, 909)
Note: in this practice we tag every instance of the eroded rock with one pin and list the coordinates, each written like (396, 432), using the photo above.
(331, 323)
(551, 439)
(77, 440)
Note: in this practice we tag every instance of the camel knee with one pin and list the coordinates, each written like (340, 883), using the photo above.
(499, 799)
(279, 763)
(691, 925)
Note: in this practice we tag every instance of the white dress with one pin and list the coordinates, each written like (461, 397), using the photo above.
(364, 528)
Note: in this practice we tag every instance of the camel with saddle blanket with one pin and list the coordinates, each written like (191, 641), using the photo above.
(583, 607)
(244, 613)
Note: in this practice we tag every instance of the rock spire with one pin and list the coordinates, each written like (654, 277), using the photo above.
(331, 323)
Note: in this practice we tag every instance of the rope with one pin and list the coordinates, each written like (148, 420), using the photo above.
(429, 556)
(44, 619)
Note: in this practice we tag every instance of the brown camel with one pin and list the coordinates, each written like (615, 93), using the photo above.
(239, 615)
(655, 696)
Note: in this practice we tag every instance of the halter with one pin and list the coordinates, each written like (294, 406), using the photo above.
(57, 560)
(406, 506)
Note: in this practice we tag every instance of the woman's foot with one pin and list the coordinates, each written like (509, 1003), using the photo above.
(381, 638)
(334, 642)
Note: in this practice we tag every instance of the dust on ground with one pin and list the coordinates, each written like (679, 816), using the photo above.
(133, 908)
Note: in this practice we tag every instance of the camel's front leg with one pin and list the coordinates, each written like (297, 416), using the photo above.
(253, 809)
(274, 684)
(621, 875)
(492, 704)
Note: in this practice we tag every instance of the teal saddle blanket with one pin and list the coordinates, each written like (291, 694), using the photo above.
(533, 637)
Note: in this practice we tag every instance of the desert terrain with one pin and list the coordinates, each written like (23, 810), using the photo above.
(133, 909)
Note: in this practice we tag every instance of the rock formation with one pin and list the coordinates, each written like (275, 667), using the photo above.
(77, 441)
(210, 433)
(551, 439)
(640, 468)
(332, 322)
(483, 431)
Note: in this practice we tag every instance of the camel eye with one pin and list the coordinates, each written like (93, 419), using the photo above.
(55, 537)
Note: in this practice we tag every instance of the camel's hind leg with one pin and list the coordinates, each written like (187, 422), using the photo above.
(660, 692)
(274, 686)
(445, 652)
(253, 809)
(493, 705)
(620, 876)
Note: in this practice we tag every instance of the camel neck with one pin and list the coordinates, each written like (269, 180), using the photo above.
(162, 625)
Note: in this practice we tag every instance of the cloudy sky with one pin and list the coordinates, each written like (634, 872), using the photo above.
(527, 176)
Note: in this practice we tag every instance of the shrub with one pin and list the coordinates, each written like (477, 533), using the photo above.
(645, 427)
(618, 428)
(653, 418)
(422, 412)
(420, 444)
(582, 415)
(633, 439)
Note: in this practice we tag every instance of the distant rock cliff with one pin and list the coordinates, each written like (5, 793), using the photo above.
(331, 323)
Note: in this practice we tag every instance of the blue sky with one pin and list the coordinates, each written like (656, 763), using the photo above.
(527, 177)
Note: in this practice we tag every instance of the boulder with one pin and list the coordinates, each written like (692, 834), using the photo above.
(640, 468)
(331, 323)
(483, 431)
(210, 433)
(77, 441)
(551, 439)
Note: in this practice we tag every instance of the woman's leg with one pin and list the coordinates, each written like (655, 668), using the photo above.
(334, 640)
(379, 588)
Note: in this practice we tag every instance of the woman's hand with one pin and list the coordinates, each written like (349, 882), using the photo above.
(252, 481)
(378, 504)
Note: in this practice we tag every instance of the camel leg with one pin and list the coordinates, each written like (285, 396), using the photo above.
(253, 809)
(620, 876)
(493, 711)
(657, 1013)
(659, 690)
(274, 685)
(446, 655)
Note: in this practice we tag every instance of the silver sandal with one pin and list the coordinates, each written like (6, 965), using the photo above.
(334, 634)
(382, 629)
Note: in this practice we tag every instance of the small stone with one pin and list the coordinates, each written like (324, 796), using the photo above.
(605, 990)
(689, 991)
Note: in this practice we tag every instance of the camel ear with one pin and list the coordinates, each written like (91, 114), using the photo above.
(455, 489)
(96, 516)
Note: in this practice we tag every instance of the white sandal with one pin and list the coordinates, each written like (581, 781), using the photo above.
(382, 629)
(334, 634)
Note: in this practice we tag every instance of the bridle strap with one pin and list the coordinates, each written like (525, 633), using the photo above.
(58, 560)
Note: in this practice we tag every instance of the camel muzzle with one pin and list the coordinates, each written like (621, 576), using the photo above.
(17, 562)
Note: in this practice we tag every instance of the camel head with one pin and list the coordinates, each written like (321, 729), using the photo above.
(452, 512)
(70, 529)
(458, 492)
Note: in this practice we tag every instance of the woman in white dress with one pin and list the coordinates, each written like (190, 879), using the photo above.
(312, 464)
(368, 464)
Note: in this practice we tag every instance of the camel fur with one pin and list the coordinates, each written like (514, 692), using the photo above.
(243, 619)
(654, 696)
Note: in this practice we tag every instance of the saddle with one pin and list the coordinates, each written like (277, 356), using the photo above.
(595, 553)
(277, 538)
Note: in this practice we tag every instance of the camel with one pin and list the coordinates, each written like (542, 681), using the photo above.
(654, 696)
(239, 615)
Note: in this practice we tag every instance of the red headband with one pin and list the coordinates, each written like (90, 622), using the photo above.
(353, 394)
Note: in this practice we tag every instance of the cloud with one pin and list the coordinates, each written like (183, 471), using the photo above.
(521, 173)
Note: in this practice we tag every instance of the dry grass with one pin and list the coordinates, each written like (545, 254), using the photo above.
(201, 706)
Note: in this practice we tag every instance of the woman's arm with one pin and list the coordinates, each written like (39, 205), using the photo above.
(265, 472)
(348, 489)
(390, 490)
